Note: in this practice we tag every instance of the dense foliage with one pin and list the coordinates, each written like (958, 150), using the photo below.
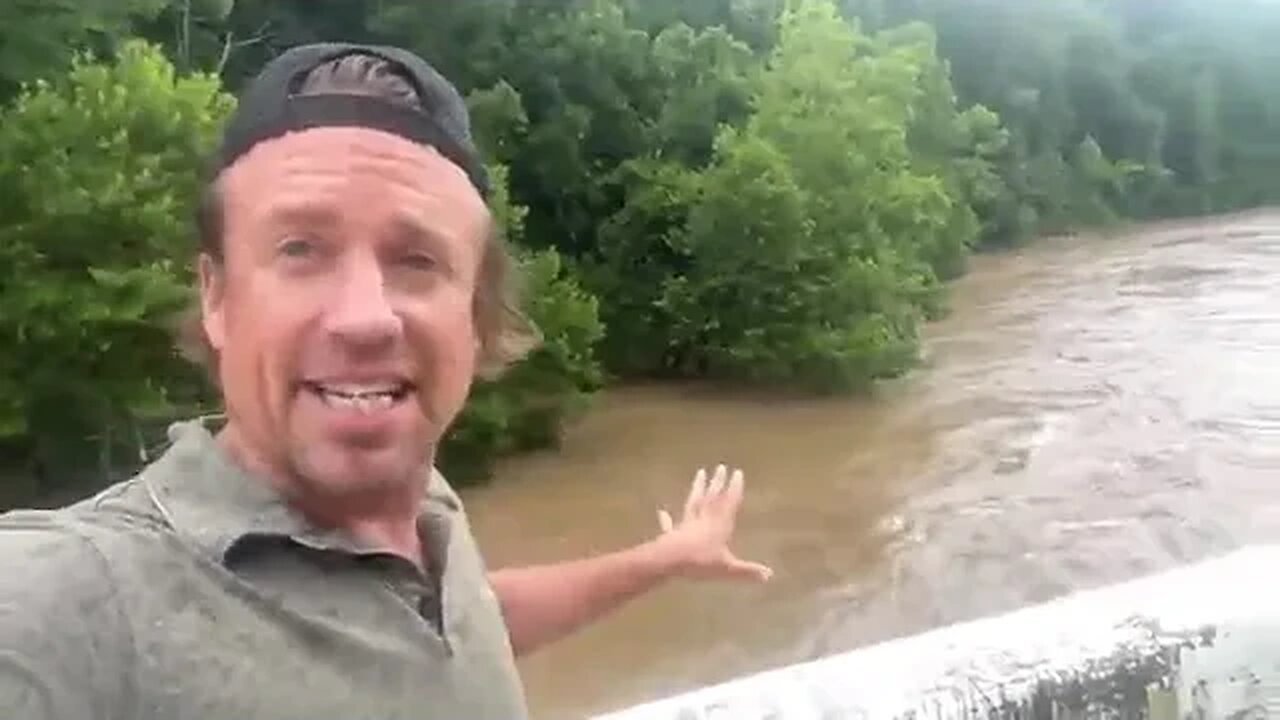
(765, 191)
(98, 176)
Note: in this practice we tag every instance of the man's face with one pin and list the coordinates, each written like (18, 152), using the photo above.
(342, 313)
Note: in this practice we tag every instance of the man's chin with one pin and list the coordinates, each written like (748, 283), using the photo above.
(345, 471)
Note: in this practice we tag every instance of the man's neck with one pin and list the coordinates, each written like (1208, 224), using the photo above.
(386, 521)
(396, 536)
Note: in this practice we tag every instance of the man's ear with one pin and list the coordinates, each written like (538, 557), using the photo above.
(213, 290)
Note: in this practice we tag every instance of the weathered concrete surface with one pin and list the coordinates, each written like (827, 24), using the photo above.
(1195, 643)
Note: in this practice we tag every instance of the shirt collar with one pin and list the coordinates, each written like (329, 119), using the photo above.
(214, 503)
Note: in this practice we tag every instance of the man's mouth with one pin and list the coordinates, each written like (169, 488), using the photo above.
(364, 397)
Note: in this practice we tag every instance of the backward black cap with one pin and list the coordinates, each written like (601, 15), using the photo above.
(270, 107)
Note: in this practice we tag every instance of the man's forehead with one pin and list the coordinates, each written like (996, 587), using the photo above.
(291, 171)
(326, 210)
(329, 178)
(336, 150)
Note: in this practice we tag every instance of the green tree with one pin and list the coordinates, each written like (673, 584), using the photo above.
(812, 235)
(99, 170)
(706, 79)
(527, 407)
(39, 36)
(964, 148)
(235, 38)
(641, 251)
(1178, 96)
(767, 190)
(584, 100)
(754, 22)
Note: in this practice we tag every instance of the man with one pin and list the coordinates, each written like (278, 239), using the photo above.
(303, 560)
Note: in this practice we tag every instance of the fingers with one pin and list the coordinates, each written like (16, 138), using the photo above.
(733, 493)
(717, 482)
(724, 489)
(696, 493)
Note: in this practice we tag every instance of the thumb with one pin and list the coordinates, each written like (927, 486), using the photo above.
(741, 569)
(665, 522)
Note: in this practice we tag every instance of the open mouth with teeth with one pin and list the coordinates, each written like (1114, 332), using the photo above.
(364, 398)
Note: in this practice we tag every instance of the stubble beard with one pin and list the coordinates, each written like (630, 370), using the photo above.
(339, 481)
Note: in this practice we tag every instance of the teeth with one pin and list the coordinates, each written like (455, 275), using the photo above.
(336, 400)
(365, 402)
(369, 403)
(352, 389)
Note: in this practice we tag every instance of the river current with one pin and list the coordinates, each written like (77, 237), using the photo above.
(1092, 410)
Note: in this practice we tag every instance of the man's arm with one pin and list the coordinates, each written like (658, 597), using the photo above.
(542, 604)
(545, 603)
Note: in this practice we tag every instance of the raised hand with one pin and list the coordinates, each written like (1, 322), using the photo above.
(699, 543)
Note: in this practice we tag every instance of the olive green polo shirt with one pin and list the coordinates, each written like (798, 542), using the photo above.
(192, 592)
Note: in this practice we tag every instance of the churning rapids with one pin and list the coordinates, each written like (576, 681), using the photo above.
(1094, 409)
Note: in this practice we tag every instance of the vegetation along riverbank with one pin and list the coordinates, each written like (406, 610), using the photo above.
(765, 192)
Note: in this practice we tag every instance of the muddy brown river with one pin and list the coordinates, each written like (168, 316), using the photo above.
(1094, 409)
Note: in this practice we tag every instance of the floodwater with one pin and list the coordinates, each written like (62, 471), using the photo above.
(1094, 409)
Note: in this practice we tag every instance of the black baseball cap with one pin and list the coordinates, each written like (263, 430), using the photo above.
(270, 107)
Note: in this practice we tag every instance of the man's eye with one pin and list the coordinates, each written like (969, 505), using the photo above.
(296, 247)
(420, 261)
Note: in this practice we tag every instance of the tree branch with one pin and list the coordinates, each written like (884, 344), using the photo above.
(226, 51)
(229, 43)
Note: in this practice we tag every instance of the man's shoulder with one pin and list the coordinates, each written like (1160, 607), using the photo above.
(81, 538)
(441, 492)
(64, 612)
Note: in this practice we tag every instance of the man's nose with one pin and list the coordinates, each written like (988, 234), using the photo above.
(361, 314)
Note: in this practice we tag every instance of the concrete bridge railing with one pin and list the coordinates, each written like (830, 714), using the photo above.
(1198, 642)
